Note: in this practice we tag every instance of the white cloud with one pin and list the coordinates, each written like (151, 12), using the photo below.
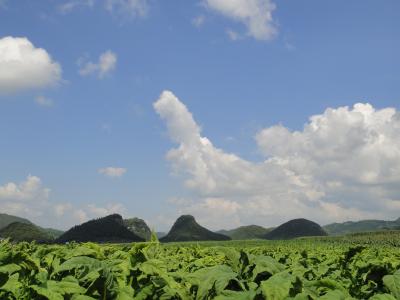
(132, 8)
(256, 15)
(344, 164)
(23, 66)
(43, 101)
(112, 171)
(106, 64)
(69, 6)
(27, 198)
(198, 21)
(27, 190)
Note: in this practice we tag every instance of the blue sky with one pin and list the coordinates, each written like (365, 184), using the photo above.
(235, 79)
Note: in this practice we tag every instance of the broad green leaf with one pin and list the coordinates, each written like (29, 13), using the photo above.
(382, 297)
(392, 282)
(279, 286)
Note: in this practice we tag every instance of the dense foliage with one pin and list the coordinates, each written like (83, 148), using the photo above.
(323, 268)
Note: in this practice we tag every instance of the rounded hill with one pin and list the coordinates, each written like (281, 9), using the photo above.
(186, 228)
(294, 229)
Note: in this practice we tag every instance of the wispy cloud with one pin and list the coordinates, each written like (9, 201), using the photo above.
(256, 15)
(112, 171)
(106, 64)
(44, 101)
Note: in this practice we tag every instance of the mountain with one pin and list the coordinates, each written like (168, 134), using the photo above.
(107, 229)
(28, 232)
(6, 220)
(138, 227)
(295, 228)
(361, 226)
(186, 228)
(249, 232)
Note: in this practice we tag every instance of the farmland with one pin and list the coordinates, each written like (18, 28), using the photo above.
(363, 266)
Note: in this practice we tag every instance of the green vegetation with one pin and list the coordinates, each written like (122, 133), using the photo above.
(365, 266)
(186, 228)
(53, 233)
(361, 226)
(138, 227)
(108, 229)
(19, 232)
(295, 228)
(249, 232)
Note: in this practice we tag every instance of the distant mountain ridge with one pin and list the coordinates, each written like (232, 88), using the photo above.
(295, 228)
(25, 232)
(107, 229)
(6, 219)
(248, 232)
(361, 226)
(186, 228)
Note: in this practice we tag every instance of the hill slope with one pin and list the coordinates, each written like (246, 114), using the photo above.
(24, 232)
(246, 232)
(361, 226)
(295, 228)
(186, 228)
(108, 229)
(138, 227)
(6, 220)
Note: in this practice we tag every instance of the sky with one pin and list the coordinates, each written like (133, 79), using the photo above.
(235, 111)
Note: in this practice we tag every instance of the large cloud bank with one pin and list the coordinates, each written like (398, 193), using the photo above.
(23, 66)
(344, 164)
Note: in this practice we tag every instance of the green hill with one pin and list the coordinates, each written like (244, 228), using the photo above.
(6, 220)
(295, 228)
(249, 232)
(107, 229)
(361, 226)
(138, 227)
(186, 228)
(54, 233)
(24, 232)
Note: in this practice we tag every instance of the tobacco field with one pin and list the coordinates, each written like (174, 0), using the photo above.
(331, 268)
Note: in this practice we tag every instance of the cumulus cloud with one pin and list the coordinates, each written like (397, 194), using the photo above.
(31, 199)
(112, 171)
(106, 64)
(344, 164)
(27, 190)
(23, 66)
(133, 8)
(256, 15)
